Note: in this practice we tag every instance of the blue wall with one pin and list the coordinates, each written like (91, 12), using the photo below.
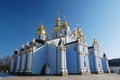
(46, 55)
(72, 60)
(39, 60)
(104, 65)
(92, 62)
(51, 59)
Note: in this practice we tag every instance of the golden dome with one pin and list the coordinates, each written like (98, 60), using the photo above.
(65, 25)
(41, 30)
(57, 27)
(78, 30)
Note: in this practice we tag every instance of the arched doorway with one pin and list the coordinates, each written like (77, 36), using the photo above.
(46, 69)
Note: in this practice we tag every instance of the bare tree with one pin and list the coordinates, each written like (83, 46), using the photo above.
(5, 64)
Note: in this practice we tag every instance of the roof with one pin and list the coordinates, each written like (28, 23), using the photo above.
(40, 41)
(91, 47)
(71, 42)
(114, 62)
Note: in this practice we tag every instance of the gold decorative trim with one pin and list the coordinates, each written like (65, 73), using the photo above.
(63, 49)
(24, 52)
(30, 50)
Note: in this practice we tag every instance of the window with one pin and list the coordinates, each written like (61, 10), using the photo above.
(85, 64)
(83, 49)
(65, 32)
(99, 65)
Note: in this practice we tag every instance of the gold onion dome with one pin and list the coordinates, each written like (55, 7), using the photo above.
(57, 27)
(65, 25)
(41, 30)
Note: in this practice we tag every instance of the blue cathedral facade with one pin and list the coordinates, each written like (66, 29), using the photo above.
(65, 53)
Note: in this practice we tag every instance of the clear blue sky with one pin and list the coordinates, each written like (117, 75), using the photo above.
(19, 20)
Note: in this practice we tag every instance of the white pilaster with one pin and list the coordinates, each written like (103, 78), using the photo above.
(63, 61)
(29, 61)
(23, 62)
(87, 62)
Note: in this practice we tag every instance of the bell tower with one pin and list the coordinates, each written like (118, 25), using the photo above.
(98, 62)
(82, 48)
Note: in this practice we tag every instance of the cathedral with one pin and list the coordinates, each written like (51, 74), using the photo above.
(67, 52)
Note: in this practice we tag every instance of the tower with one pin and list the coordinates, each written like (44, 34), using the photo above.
(95, 58)
(83, 52)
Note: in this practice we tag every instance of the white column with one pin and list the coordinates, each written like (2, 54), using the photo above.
(18, 63)
(96, 63)
(63, 61)
(81, 62)
(12, 63)
(29, 60)
(23, 62)
(87, 62)
(80, 55)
